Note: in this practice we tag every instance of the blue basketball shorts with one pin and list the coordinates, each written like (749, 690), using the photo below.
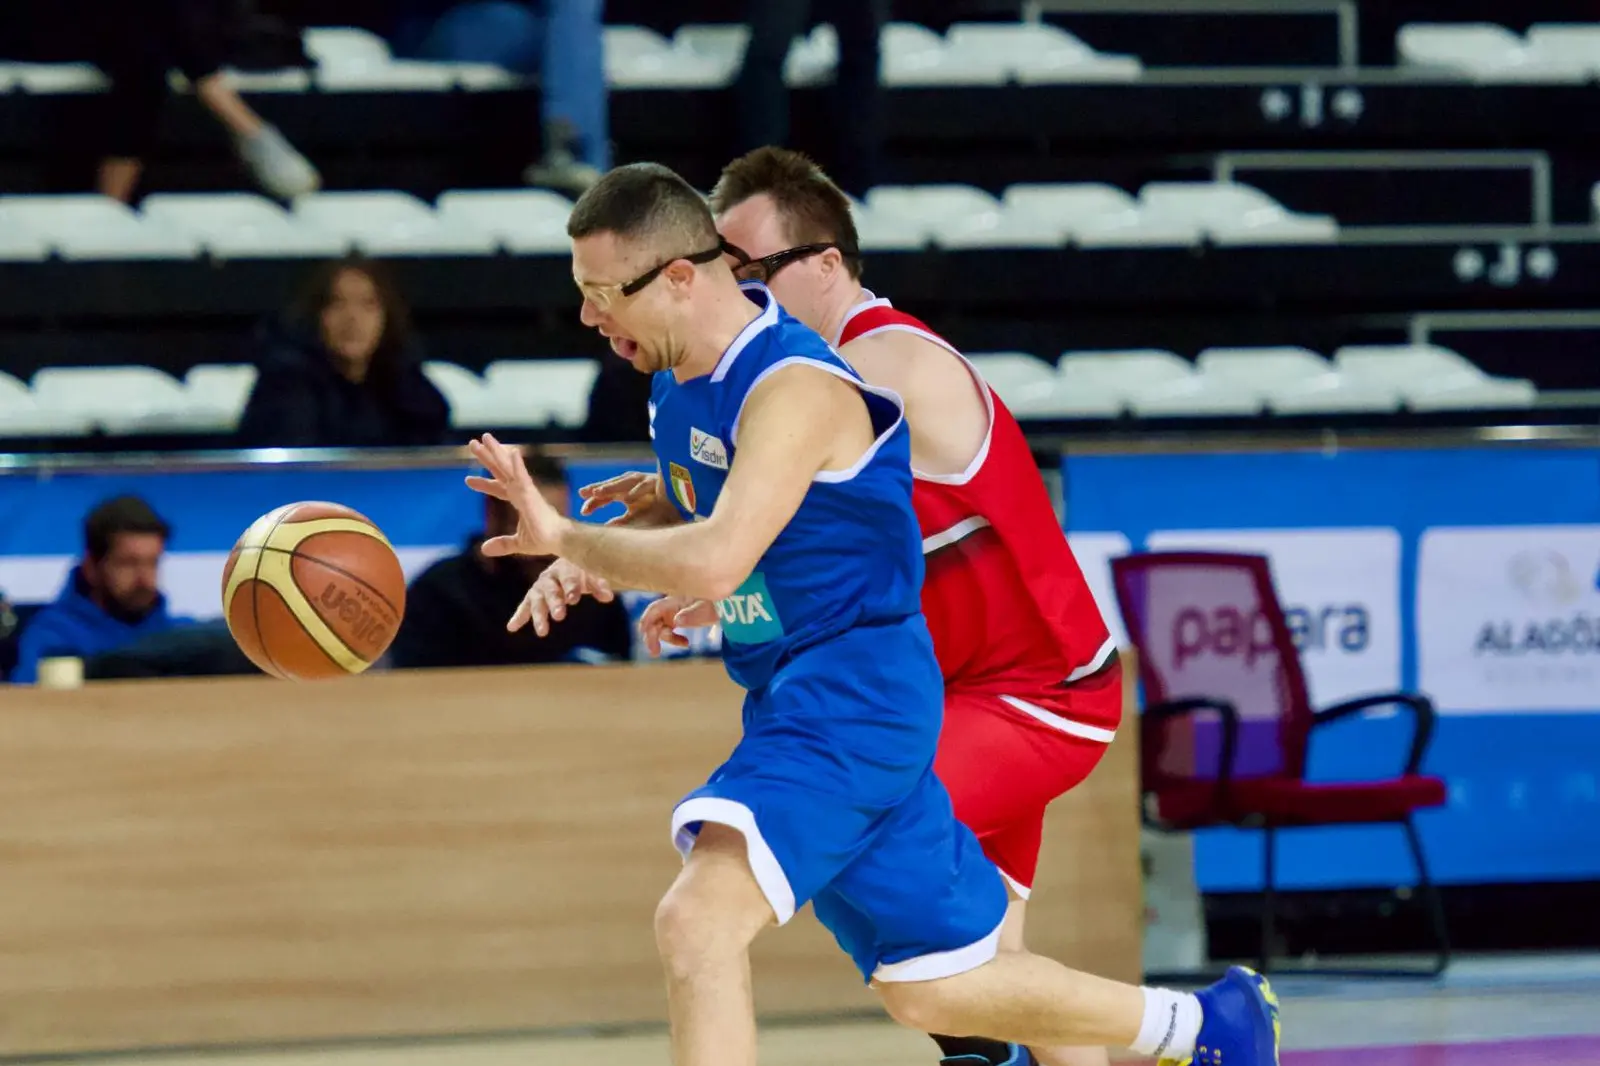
(833, 789)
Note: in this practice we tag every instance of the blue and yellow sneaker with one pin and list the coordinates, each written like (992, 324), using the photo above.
(1239, 1023)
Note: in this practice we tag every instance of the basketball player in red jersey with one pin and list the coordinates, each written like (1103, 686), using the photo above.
(1033, 690)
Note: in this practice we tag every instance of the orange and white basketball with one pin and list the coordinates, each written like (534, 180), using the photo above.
(313, 591)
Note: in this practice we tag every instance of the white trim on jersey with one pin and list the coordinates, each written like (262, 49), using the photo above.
(828, 476)
(765, 320)
(1095, 664)
(983, 386)
(872, 300)
(1023, 891)
(960, 531)
(1066, 725)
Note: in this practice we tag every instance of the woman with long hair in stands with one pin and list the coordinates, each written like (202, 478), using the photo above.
(342, 369)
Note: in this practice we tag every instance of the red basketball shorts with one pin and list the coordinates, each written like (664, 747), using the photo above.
(1005, 755)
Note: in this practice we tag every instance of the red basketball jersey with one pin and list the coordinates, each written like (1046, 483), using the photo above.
(1004, 596)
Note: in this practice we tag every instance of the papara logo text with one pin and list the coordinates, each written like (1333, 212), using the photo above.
(1332, 627)
(1232, 631)
(1224, 632)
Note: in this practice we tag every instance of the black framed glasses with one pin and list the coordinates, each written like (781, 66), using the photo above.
(763, 269)
(603, 296)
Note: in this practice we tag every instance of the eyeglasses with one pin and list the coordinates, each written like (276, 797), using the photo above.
(764, 268)
(604, 295)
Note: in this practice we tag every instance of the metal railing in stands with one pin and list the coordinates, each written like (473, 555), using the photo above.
(1226, 164)
(1329, 441)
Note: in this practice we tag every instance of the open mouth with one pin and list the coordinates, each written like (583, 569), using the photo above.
(625, 348)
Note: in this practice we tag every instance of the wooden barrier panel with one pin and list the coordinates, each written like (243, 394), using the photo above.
(205, 861)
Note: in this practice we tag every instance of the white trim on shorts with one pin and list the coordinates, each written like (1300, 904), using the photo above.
(941, 963)
(1082, 730)
(774, 883)
(1023, 891)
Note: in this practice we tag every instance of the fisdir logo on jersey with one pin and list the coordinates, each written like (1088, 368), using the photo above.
(1247, 632)
(704, 448)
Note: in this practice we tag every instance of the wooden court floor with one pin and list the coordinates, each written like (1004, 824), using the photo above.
(1546, 1013)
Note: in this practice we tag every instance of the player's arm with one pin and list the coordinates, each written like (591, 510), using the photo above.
(945, 408)
(792, 426)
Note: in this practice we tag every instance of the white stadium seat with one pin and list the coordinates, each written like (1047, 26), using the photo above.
(87, 226)
(391, 223)
(522, 220)
(538, 392)
(240, 225)
(1431, 378)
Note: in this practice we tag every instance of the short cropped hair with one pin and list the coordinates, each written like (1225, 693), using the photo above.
(121, 514)
(647, 203)
(814, 209)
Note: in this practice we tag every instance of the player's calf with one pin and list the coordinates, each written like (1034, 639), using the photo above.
(1034, 1001)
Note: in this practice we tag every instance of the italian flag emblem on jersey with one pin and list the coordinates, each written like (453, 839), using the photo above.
(682, 486)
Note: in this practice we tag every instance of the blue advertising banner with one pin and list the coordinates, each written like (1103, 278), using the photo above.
(426, 512)
(1471, 575)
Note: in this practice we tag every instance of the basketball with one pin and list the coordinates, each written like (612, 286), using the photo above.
(313, 591)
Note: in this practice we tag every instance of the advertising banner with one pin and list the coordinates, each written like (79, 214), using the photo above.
(1340, 591)
(1508, 618)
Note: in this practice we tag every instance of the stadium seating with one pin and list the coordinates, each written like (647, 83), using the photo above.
(1136, 213)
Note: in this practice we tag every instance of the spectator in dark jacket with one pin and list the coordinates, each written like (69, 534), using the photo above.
(111, 598)
(457, 609)
(342, 370)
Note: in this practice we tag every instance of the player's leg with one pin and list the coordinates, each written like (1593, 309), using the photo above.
(937, 972)
(704, 927)
(776, 823)
(1002, 768)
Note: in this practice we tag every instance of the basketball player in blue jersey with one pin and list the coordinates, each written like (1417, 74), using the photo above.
(792, 481)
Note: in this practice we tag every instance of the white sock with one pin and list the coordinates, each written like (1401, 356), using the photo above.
(1171, 1024)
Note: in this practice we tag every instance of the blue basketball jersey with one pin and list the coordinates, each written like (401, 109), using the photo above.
(850, 557)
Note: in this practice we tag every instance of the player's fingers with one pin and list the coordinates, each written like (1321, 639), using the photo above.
(521, 616)
(485, 452)
(610, 487)
(539, 611)
(601, 590)
(487, 486)
(569, 579)
(676, 639)
(499, 546)
(601, 486)
(554, 599)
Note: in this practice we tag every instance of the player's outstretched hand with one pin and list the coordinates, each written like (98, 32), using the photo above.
(637, 490)
(538, 524)
(665, 616)
(560, 586)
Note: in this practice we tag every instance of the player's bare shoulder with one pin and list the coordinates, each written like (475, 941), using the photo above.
(945, 403)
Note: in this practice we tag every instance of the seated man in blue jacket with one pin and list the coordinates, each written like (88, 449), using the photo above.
(111, 598)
